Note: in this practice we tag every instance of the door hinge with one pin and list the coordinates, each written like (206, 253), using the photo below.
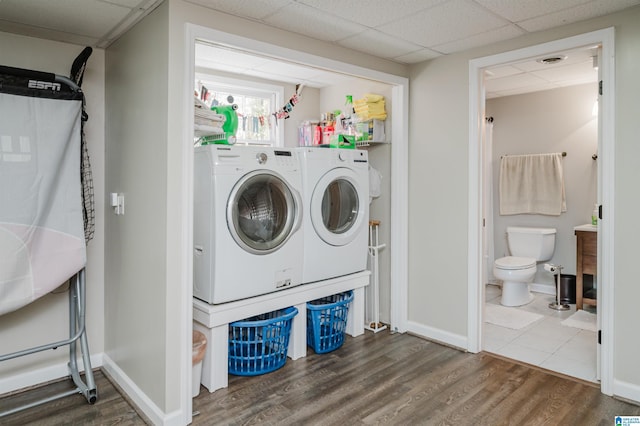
(600, 87)
(599, 337)
(600, 212)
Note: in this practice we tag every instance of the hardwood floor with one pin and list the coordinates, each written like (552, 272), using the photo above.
(373, 379)
(111, 407)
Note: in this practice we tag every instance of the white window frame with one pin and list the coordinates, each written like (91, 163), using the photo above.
(252, 88)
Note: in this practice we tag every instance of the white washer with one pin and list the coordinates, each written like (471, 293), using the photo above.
(336, 217)
(247, 237)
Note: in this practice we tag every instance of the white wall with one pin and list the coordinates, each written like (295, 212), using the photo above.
(549, 121)
(136, 279)
(46, 320)
(147, 259)
(438, 198)
(439, 189)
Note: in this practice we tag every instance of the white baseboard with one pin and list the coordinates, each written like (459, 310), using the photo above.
(543, 288)
(626, 390)
(44, 375)
(139, 398)
(450, 339)
(535, 287)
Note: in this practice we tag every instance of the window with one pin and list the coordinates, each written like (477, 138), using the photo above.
(256, 105)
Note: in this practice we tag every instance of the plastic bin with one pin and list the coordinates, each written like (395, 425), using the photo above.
(199, 349)
(567, 288)
(258, 345)
(326, 321)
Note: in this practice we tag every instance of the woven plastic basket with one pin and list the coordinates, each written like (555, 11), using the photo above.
(258, 345)
(326, 321)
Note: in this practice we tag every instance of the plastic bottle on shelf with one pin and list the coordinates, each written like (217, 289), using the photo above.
(594, 215)
(349, 127)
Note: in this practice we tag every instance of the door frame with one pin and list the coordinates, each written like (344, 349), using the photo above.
(399, 118)
(606, 159)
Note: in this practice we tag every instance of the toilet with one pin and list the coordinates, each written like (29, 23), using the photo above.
(527, 246)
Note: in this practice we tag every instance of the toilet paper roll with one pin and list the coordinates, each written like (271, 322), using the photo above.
(549, 267)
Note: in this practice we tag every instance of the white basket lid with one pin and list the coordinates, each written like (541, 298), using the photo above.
(514, 262)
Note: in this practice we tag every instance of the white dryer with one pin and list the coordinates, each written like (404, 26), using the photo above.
(247, 237)
(336, 217)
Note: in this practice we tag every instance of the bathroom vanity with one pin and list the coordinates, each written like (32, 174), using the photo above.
(586, 263)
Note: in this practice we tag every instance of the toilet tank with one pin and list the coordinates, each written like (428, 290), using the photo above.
(537, 243)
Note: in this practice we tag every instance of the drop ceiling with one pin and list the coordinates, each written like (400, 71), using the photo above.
(407, 31)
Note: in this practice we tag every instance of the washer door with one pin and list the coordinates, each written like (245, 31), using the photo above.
(263, 212)
(337, 207)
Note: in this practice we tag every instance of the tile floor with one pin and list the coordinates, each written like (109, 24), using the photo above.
(545, 343)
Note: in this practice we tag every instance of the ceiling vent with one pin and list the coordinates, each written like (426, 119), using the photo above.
(550, 60)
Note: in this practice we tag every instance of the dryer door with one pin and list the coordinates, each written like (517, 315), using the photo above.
(263, 212)
(338, 207)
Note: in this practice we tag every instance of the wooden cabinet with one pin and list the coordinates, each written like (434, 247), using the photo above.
(587, 261)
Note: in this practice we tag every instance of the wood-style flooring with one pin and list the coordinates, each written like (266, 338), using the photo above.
(394, 379)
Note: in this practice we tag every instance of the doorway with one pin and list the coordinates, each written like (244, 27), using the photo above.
(399, 171)
(476, 288)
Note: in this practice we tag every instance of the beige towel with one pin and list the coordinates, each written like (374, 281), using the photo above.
(532, 184)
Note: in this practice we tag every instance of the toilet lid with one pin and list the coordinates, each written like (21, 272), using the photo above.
(513, 262)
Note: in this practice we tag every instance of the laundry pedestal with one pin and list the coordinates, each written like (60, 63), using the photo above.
(213, 320)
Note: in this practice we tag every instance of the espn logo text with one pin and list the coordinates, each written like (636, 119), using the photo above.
(37, 84)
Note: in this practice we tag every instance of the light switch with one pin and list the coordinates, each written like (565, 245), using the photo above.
(116, 200)
(120, 208)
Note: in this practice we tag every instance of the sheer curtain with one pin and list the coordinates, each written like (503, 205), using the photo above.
(487, 201)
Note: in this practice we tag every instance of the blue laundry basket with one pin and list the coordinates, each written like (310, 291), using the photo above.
(326, 321)
(258, 345)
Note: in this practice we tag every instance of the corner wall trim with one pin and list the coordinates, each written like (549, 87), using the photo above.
(451, 339)
(138, 397)
(626, 390)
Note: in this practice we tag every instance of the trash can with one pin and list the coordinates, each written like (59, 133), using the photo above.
(567, 288)
(199, 349)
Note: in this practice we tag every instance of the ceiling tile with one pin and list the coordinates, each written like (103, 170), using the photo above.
(210, 58)
(444, 23)
(378, 44)
(47, 34)
(216, 55)
(583, 71)
(514, 81)
(296, 72)
(330, 79)
(503, 71)
(576, 14)
(417, 56)
(313, 23)
(253, 9)
(499, 34)
(520, 90)
(67, 16)
(206, 67)
(572, 57)
(516, 11)
(371, 13)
